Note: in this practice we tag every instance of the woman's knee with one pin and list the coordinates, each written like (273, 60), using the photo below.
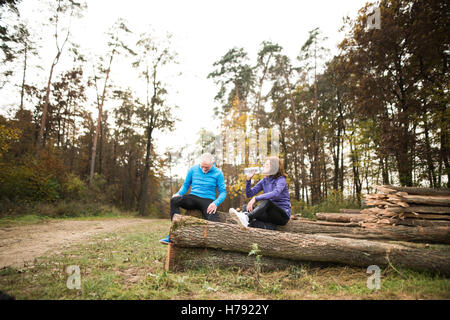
(284, 221)
(264, 203)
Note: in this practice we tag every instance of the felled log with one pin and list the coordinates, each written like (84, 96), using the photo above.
(355, 211)
(385, 189)
(420, 209)
(427, 234)
(341, 217)
(412, 215)
(426, 216)
(387, 202)
(431, 200)
(384, 232)
(182, 258)
(226, 217)
(416, 191)
(421, 223)
(192, 232)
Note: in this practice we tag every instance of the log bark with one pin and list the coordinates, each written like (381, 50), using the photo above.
(377, 232)
(192, 232)
(385, 213)
(421, 209)
(385, 189)
(422, 223)
(355, 211)
(432, 200)
(426, 216)
(342, 217)
(419, 191)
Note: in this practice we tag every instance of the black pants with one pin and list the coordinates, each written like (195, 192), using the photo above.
(191, 202)
(266, 215)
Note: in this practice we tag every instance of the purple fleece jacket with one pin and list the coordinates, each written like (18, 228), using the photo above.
(275, 190)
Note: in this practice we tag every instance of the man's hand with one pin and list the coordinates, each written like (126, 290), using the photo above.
(211, 208)
(250, 204)
(176, 195)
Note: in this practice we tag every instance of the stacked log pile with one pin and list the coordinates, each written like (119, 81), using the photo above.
(196, 242)
(227, 244)
(394, 204)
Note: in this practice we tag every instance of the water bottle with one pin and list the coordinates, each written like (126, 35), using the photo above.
(249, 170)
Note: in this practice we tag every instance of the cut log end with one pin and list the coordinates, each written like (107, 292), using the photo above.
(170, 258)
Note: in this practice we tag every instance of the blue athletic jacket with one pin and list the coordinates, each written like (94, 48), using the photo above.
(204, 185)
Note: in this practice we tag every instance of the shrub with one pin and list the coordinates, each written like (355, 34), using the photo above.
(74, 187)
(22, 182)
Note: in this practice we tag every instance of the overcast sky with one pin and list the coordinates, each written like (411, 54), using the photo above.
(203, 31)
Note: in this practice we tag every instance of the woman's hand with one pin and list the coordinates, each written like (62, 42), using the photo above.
(250, 175)
(250, 204)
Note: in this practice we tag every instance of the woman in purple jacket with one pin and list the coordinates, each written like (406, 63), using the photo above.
(274, 207)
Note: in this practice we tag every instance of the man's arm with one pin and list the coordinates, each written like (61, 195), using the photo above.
(222, 190)
(187, 183)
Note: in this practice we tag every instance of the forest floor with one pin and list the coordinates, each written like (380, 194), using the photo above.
(121, 258)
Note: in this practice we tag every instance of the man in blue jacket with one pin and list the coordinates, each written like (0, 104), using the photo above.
(204, 179)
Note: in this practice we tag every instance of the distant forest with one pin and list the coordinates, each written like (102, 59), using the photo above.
(375, 113)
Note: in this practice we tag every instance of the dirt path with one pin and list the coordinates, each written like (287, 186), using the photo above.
(22, 244)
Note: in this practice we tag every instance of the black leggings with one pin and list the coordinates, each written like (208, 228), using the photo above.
(191, 202)
(268, 212)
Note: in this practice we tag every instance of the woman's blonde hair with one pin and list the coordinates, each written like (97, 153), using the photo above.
(275, 161)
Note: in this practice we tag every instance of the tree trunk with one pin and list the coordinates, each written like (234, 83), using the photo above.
(143, 197)
(22, 91)
(404, 163)
(99, 121)
(384, 170)
(40, 140)
(444, 153)
(429, 159)
(192, 232)
(298, 138)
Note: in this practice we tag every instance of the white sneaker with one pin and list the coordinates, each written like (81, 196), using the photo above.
(240, 217)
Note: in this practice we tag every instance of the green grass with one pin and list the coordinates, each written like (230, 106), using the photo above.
(35, 219)
(130, 265)
(22, 220)
(45, 212)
